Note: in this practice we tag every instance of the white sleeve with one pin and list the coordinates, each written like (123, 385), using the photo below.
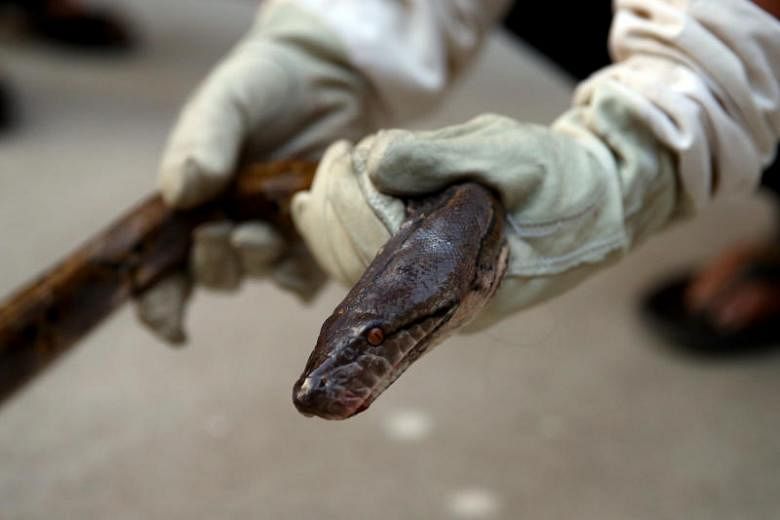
(705, 76)
(410, 50)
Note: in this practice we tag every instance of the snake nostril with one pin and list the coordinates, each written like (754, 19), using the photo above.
(309, 391)
(304, 396)
(311, 398)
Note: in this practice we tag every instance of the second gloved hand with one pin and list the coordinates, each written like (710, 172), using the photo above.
(287, 90)
(578, 195)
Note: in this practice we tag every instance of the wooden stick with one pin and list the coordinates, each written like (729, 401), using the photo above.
(45, 318)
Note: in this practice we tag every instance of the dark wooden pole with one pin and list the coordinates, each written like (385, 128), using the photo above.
(45, 318)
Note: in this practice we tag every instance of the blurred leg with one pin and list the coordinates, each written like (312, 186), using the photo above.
(732, 305)
(742, 285)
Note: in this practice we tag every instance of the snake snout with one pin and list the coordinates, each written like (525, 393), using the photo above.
(310, 395)
(316, 395)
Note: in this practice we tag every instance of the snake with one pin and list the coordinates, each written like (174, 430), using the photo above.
(433, 276)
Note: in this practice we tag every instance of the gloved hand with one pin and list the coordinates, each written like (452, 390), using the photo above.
(578, 195)
(287, 90)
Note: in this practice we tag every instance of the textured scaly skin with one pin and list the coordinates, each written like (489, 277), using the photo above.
(435, 274)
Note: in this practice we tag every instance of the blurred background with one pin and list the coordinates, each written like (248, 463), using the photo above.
(571, 410)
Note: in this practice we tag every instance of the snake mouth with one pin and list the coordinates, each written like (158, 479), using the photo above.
(339, 390)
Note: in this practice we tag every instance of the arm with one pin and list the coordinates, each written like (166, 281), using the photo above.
(409, 50)
(689, 111)
(705, 79)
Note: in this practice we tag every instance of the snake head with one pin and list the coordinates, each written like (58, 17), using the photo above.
(336, 383)
(357, 357)
(431, 277)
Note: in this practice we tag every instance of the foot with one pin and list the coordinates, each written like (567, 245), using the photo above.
(729, 309)
(740, 289)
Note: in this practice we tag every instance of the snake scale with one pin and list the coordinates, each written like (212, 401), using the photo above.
(435, 274)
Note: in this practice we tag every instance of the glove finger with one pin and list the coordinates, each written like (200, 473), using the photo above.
(202, 150)
(244, 92)
(258, 246)
(298, 273)
(162, 308)
(213, 261)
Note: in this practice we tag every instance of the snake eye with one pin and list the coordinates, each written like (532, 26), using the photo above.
(375, 336)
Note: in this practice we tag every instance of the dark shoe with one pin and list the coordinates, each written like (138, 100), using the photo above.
(667, 310)
(67, 22)
(83, 29)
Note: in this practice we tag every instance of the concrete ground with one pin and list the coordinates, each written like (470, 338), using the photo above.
(571, 410)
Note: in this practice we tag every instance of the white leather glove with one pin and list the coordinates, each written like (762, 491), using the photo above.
(287, 90)
(690, 111)
(578, 195)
